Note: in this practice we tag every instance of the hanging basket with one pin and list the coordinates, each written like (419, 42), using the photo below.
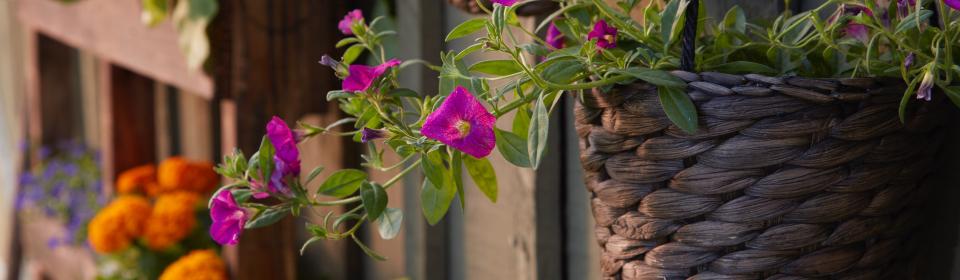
(787, 177)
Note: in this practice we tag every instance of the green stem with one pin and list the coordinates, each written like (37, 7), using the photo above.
(402, 174)
(335, 202)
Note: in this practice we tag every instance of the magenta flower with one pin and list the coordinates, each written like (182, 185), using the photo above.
(286, 157)
(555, 37)
(349, 20)
(505, 3)
(369, 134)
(856, 30)
(360, 77)
(925, 91)
(606, 35)
(228, 219)
(463, 123)
(955, 4)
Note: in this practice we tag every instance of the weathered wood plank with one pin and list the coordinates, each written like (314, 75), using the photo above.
(266, 52)
(112, 30)
(127, 121)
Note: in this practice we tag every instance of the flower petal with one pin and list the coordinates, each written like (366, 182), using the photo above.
(955, 4)
(285, 143)
(505, 3)
(462, 106)
(348, 20)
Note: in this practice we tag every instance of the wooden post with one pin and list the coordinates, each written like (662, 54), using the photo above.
(266, 54)
(126, 120)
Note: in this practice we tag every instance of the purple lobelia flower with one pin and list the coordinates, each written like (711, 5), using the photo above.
(908, 61)
(555, 37)
(361, 77)
(369, 134)
(228, 219)
(606, 35)
(925, 91)
(506, 3)
(349, 20)
(328, 61)
(287, 156)
(955, 4)
(463, 123)
(904, 6)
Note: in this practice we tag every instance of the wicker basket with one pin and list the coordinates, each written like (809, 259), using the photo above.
(787, 178)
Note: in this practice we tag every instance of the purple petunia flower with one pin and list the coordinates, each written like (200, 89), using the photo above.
(369, 134)
(955, 4)
(287, 156)
(505, 3)
(463, 123)
(228, 219)
(925, 91)
(349, 20)
(555, 37)
(606, 35)
(361, 77)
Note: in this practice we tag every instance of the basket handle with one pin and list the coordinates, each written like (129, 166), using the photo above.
(689, 36)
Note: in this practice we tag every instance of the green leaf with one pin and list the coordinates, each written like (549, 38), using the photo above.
(740, 67)
(389, 223)
(521, 121)
(562, 71)
(512, 147)
(352, 53)
(537, 135)
(374, 199)
(154, 11)
(496, 67)
(309, 241)
(403, 92)
(671, 21)
(655, 77)
(679, 108)
(367, 250)
(466, 28)
(913, 19)
(456, 172)
(454, 73)
(265, 158)
(267, 217)
(191, 18)
(535, 49)
(347, 41)
(467, 51)
(342, 183)
(337, 94)
(953, 93)
(482, 173)
(434, 170)
(435, 201)
(313, 174)
(735, 20)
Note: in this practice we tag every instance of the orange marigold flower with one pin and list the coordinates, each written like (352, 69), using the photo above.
(197, 265)
(173, 218)
(116, 225)
(178, 173)
(137, 179)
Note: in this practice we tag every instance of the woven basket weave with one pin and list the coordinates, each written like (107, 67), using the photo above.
(787, 178)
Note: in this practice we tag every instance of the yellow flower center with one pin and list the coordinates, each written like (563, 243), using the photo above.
(463, 127)
(608, 38)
